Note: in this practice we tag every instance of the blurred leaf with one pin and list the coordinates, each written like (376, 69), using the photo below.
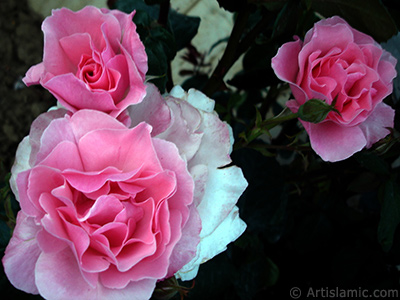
(272, 5)
(263, 204)
(372, 162)
(140, 6)
(232, 5)
(256, 273)
(8, 205)
(214, 280)
(5, 235)
(393, 46)
(184, 28)
(160, 48)
(257, 72)
(363, 182)
(368, 16)
(313, 231)
(161, 43)
(196, 82)
(158, 41)
(349, 261)
(287, 19)
(390, 213)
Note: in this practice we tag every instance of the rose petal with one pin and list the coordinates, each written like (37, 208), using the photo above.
(186, 248)
(169, 158)
(333, 142)
(375, 126)
(286, 67)
(22, 254)
(71, 157)
(39, 125)
(229, 230)
(34, 74)
(131, 41)
(85, 121)
(88, 182)
(21, 164)
(187, 139)
(215, 132)
(118, 65)
(153, 110)
(67, 281)
(102, 148)
(74, 94)
(74, 53)
(55, 28)
(224, 187)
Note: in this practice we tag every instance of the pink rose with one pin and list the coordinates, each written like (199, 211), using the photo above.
(337, 62)
(188, 120)
(92, 59)
(107, 211)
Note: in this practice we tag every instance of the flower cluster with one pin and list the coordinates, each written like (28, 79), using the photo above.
(120, 187)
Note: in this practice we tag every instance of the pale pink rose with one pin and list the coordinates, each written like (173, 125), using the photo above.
(107, 211)
(92, 59)
(188, 120)
(338, 62)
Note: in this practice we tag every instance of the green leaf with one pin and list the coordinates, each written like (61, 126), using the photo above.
(368, 16)
(184, 28)
(140, 6)
(160, 50)
(196, 82)
(161, 43)
(390, 214)
(373, 163)
(158, 40)
(315, 110)
(287, 19)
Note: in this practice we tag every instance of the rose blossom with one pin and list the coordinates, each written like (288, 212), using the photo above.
(204, 142)
(92, 59)
(107, 211)
(344, 67)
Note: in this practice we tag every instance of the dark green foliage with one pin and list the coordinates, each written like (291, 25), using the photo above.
(370, 17)
(161, 41)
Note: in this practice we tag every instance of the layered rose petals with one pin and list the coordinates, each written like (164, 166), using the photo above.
(105, 206)
(344, 67)
(107, 210)
(93, 59)
(205, 142)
